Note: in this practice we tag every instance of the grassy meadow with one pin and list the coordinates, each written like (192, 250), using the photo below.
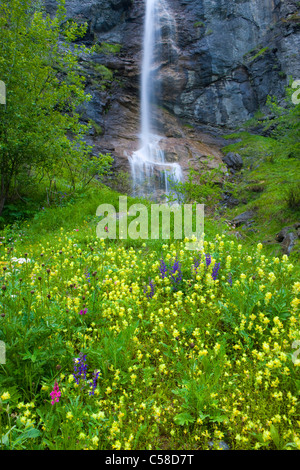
(124, 345)
(111, 344)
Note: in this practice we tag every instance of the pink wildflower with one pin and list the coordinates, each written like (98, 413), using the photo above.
(83, 312)
(55, 394)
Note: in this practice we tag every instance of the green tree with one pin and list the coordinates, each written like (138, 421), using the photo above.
(39, 64)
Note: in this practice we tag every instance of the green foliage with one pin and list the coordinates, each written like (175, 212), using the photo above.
(285, 125)
(292, 196)
(82, 168)
(271, 163)
(206, 363)
(97, 128)
(105, 73)
(106, 48)
(282, 124)
(199, 24)
(121, 182)
(198, 394)
(260, 53)
(39, 126)
(202, 186)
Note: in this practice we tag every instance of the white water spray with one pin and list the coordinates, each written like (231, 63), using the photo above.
(149, 170)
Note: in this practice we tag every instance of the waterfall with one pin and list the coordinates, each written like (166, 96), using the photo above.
(150, 172)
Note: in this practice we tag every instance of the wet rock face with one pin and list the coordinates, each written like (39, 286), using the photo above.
(221, 62)
(101, 16)
(217, 68)
(236, 53)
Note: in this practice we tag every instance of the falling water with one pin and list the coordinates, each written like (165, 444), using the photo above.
(149, 170)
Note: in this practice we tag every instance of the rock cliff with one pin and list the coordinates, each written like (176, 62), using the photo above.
(228, 56)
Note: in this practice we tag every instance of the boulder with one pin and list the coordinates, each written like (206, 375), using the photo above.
(287, 237)
(243, 218)
(233, 161)
(280, 236)
(288, 243)
(229, 200)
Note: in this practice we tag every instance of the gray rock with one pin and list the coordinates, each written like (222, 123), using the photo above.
(288, 243)
(234, 161)
(242, 218)
(280, 236)
(287, 237)
(225, 59)
(229, 200)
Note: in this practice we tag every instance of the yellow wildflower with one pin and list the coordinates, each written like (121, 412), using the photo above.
(5, 396)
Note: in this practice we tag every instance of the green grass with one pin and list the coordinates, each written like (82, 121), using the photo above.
(183, 360)
(267, 167)
(199, 24)
(260, 53)
(183, 363)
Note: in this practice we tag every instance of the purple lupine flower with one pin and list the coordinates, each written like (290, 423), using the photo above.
(80, 368)
(196, 263)
(207, 260)
(176, 268)
(80, 373)
(163, 268)
(215, 271)
(93, 383)
(150, 293)
(229, 279)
